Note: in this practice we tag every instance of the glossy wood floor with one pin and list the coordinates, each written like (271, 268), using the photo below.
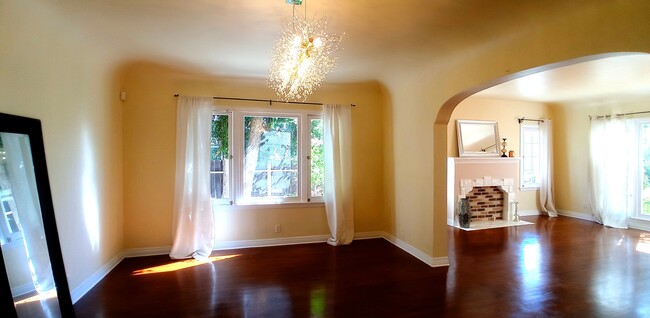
(555, 268)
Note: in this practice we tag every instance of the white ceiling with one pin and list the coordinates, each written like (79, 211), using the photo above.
(235, 38)
(613, 77)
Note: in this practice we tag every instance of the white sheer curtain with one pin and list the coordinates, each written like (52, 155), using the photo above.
(610, 147)
(23, 188)
(546, 197)
(337, 141)
(193, 219)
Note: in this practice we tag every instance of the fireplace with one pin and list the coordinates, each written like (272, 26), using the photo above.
(489, 198)
(499, 176)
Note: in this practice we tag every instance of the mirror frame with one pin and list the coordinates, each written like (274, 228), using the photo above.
(461, 147)
(32, 128)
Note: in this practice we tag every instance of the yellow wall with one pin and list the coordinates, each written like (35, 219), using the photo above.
(419, 89)
(51, 72)
(505, 112)
(55, 72)
(149, 147)
(571, 148)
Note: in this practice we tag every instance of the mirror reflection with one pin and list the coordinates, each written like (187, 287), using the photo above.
(22, 236)
(477, 138)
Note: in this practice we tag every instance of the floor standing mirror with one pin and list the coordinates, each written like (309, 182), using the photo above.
(33, 281)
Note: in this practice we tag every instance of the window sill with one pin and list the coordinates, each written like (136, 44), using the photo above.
(268, 206)
(639, 223)
(522, 189)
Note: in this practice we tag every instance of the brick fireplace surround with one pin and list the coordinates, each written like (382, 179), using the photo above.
(489, 198)
(486, 203)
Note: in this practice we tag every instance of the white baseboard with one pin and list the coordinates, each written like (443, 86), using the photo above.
(633, 223)
(369, 235)
(528, 212)
(576, 215)
(228, 245)
(22, 289)
(95, 278)
(433, 262)
(146, 251)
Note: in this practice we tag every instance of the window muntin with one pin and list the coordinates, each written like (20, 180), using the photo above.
(530, 156)
(269, 157)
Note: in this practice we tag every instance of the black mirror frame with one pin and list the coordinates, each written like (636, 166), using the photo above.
(32, 128)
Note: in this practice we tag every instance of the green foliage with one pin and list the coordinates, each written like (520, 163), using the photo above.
(646, 207)
(288, 152)
(219, 143)
(280, 124)
(317, 158)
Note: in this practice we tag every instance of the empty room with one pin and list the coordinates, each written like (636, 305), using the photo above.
(315, 158)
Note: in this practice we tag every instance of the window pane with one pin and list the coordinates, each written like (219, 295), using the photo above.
(645, 151)
(260, 185)
(530, 150)
(270, 147)
(316, 162)
(284, 183)
(219, 158)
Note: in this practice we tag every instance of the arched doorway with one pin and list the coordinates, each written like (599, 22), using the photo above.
(446, 112)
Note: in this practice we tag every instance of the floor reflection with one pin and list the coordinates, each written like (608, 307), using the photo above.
(271, 301)
(558, 268)
(43, 305)
(531, 262)
(317, 302)
(616, 285)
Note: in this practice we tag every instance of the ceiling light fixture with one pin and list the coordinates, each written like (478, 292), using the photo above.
(302, 56)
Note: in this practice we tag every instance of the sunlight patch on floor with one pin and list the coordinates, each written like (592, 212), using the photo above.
(43, 296)
(175, 266)
(643, 245)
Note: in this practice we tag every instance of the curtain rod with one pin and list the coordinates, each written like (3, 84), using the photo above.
(624, 114)
(270, 101)
(522, 119)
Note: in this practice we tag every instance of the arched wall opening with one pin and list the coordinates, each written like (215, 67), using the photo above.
(444, 115)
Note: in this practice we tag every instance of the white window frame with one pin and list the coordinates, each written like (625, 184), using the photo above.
(523, 128)
(237, 152)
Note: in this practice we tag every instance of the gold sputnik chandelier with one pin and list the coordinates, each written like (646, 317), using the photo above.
(302, 56)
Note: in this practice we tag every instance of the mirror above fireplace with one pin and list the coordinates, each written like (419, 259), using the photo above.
(477, 138)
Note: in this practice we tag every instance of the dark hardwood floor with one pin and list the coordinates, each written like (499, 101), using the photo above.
(555, 268)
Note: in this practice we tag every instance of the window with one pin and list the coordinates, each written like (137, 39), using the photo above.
(220, 186)
(530, 160)
(270, 157)
(10, 229)
(643, 202)
(10, 226)
(262, 157)
(316, 160)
